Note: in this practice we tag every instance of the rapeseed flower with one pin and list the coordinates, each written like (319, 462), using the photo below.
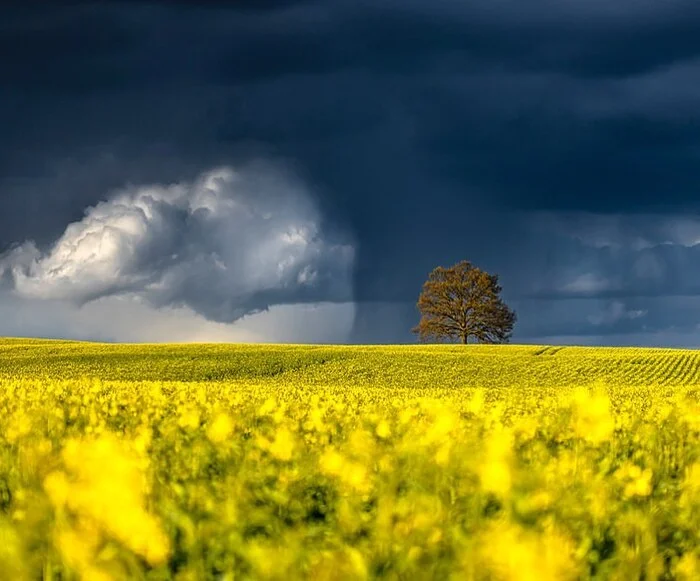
(495, 470)
(282, 447)
(593, 420)
(220, 428)
(104, 487)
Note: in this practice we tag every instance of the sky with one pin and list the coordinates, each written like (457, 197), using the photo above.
(292, 170)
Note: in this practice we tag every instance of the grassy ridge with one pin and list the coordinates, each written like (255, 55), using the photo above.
(399, 366)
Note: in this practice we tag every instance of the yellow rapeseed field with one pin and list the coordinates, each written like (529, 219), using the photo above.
(470, 462)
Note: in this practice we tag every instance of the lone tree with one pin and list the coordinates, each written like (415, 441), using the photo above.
(461, 302)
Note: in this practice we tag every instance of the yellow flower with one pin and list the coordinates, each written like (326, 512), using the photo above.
(442, 456)
(692, 477)
(496, 477)
(105, 490)
(414, 553)
(331, 462)
(477, 401)
(57, 488)
(444, 422)
(495, 470)
(314, 420)
(189, 419)
(78, 551)
(637, 482)
(510, 553)
(383, 430)
(352, 474)
(691, 486)
(406, 415)
(527, 427)
(220, 428)
(687, 568)
(143, 440)
(268, 406)
(592, 419)
(690, 413)
(270, 560)
(13, 560)
(347, 563)
(20, 425)
(356, 477)
(282, 446)
(361, 444)
(640, 486)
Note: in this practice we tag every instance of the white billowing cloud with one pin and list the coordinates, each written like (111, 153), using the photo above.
(230, 244)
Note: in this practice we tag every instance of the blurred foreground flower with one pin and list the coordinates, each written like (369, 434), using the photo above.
(101, 495)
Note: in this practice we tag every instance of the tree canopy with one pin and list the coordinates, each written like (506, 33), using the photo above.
(462, 302)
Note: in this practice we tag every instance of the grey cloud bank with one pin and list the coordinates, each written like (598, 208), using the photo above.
(129, 319)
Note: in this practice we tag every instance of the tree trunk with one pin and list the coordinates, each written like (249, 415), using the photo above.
(465, 338)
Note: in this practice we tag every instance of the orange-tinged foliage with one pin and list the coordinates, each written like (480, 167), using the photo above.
(463, 301)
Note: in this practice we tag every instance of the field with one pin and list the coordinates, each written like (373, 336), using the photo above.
(301, 462)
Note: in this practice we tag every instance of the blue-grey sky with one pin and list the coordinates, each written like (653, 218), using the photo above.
(291, 170)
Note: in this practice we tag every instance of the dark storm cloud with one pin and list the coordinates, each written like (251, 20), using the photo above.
(430, 131)
(614, 256)
(585, 318)
(477, 85)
